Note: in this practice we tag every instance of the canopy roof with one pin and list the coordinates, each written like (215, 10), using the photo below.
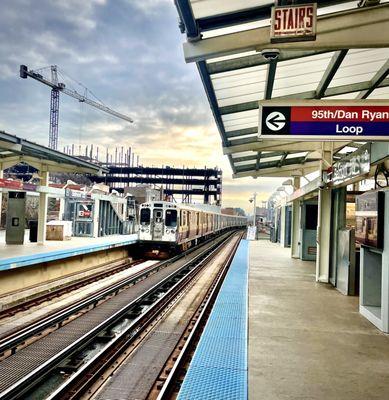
(14, 150)
(349, 59)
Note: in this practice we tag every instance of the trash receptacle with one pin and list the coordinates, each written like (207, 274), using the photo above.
(33, 225)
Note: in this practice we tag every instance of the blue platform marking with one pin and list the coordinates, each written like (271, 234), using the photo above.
(38, 258)
(218, 370)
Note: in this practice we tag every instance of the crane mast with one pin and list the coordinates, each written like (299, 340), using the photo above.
(56, 88)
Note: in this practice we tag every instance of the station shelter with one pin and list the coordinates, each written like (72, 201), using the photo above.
(260, 86)
(80, 213)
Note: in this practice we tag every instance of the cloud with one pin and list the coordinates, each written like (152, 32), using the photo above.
(129, 53)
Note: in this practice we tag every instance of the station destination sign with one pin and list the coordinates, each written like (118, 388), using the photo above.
(293, 23)
(320, 120)
(354, 165)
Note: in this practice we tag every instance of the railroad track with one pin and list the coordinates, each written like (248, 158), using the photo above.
(89, 378)
(23, 370)
(64, 289)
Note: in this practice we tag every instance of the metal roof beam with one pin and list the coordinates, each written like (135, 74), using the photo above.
(271, 74)
(285, 171)
(255, 156)
(256, 60)
(277, 145)
(284, 161)
(330, 72)
(271, 164)
(377, 79)
(332, 91)
(241, 132)
(258, 161)
(188, 23)
(351, 29)
(247, 15)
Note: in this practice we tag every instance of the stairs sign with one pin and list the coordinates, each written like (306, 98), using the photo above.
(293, 23)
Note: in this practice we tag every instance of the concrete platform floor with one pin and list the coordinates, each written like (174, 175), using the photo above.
(28, 248)
(306, 340)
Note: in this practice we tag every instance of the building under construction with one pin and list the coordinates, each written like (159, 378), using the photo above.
(187, 185)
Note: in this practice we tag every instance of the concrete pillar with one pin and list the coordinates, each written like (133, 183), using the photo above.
(42, 211)
(324, 221)
(96, 213)
(295, 221)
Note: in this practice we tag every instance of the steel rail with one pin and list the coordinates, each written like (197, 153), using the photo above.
(176, 370)
(32, 378)
(14, 339)
(55, 293)
(81, 380)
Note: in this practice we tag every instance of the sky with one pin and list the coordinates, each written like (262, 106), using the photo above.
(129, 53)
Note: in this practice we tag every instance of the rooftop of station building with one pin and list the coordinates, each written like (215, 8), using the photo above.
(225, 39)
(14, 150)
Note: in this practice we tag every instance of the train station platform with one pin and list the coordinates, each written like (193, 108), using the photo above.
(16, 256)
(218, 369)
(307, 340)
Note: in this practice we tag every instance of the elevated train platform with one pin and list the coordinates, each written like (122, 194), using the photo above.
(17, 256)
(306, 339)
(28, 269)
(275, 334)
(218, 369)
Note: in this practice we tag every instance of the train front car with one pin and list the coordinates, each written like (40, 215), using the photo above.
(158, 222)
(166, 228)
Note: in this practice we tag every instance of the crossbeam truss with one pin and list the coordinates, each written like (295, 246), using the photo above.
(224, 55)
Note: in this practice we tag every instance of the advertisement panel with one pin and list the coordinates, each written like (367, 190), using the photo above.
(361, 120)
(370, 209)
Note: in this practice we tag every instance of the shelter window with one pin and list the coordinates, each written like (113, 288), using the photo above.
(145, 216)
(171, 218)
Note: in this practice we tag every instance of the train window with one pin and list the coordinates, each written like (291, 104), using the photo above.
(171, 218)
(145, 216)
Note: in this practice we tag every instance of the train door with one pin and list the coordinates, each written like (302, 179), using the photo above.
(157, 227)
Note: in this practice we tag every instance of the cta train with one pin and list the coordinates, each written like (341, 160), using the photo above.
(166, 227)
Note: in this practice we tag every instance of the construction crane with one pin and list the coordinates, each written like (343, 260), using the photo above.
(56, 88)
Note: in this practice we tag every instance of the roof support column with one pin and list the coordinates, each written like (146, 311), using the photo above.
(96, 219)
(1, 193)
(295, 231)
(42, 211)
(324, 221)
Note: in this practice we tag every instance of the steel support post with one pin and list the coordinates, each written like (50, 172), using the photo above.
(1, 193)
(96, 219)
(62, 201)
(283, 226)
(295, 221)
(42, 212)
(324, 221)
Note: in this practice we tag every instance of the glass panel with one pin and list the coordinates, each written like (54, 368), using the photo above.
(241, 126)
(206, 8)
(360, 65)
(244, 115)
(294, 155)
(380, 93)
(171, 218)
(145, 216)
(300, 75)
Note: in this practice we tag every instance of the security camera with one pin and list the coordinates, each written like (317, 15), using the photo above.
(270, 54)
(322, 185)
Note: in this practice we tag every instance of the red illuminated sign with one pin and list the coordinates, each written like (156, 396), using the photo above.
(293, 23)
